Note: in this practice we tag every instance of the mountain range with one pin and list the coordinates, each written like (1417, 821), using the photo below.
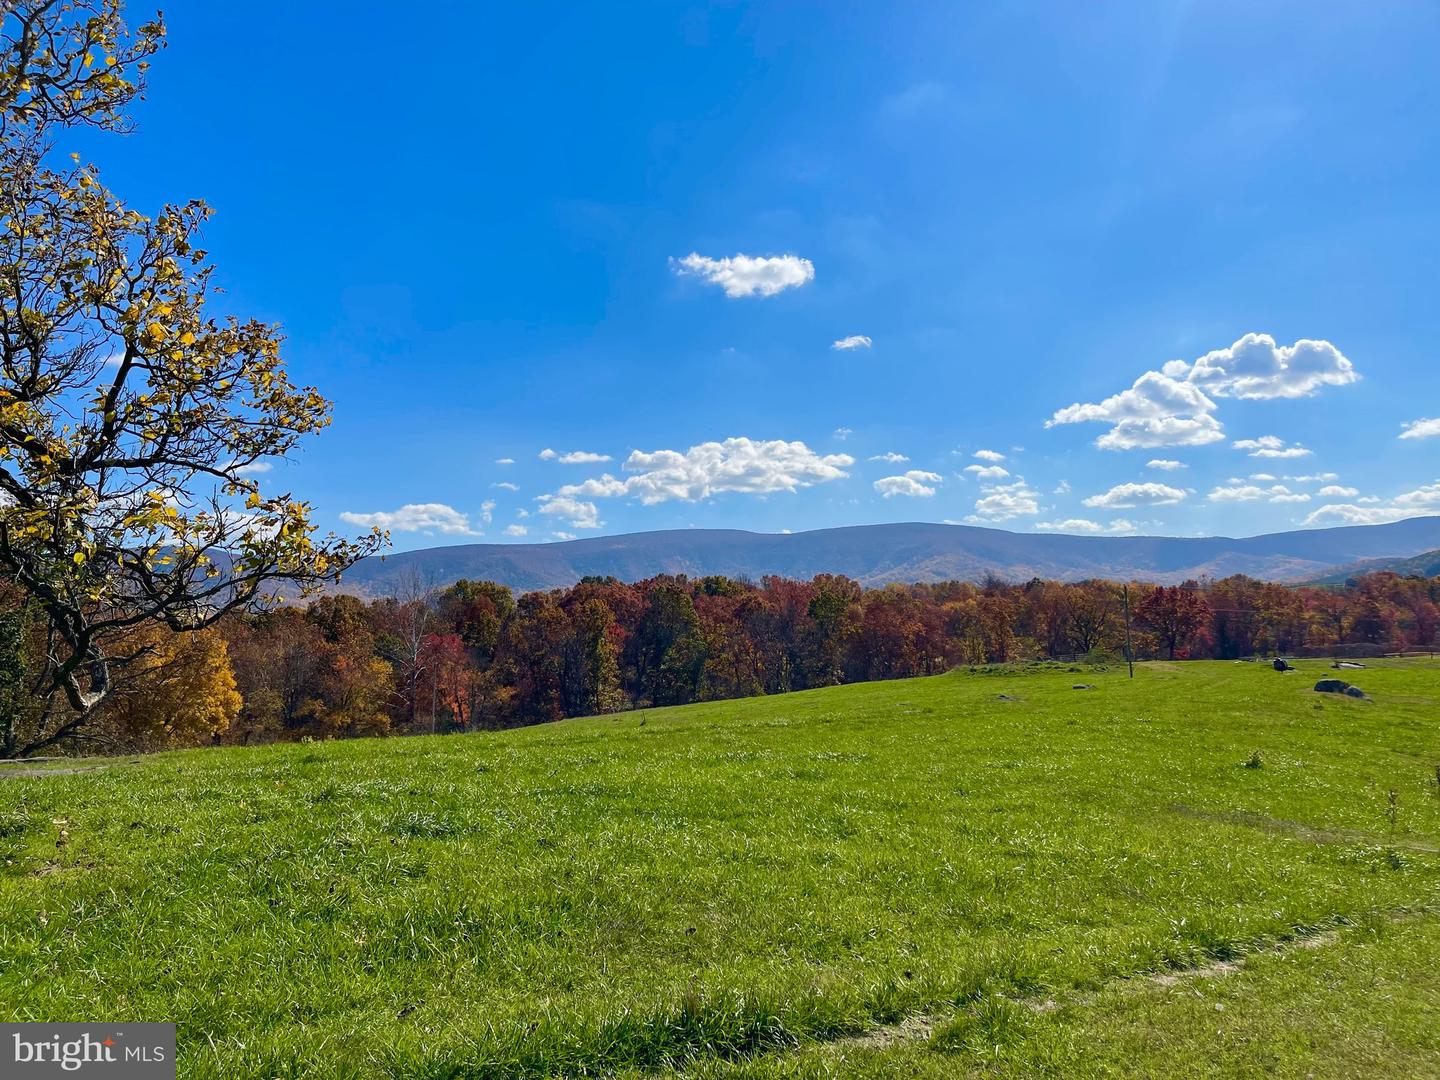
(907, 552)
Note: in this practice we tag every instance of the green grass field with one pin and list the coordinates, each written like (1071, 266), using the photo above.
(753, 888)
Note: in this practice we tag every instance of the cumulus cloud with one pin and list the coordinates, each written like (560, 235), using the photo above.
(516, 530)
(1423, 501)
(854, 341)
(1271, 446)
(487, 510)
(1085, 525)
(1124, 496)
(580, 514)
(1175, 406)
(748, 466)
(843, 433)
(415, 517)
(562, 535)
(987, 472)
(1235, 492)
(891, 457)
(582, 457)
(991, 456)
(1062, 488)
(255, 468)
(1156, 411)
(547, 454)
(754, 467)
(1312, 478)
(1335, 491)
(1165, 464)
(748, 275)
(504, 461)
(1005, 501)
(506, 485)
(1256, 367)
(916, 483)
(1421, 429)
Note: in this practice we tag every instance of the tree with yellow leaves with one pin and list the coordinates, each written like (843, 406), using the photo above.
(129, 414)
(179, 692)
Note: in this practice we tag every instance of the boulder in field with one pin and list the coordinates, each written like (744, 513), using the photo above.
(1338, 686)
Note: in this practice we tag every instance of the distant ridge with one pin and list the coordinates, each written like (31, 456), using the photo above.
(1426, 565)
(912, 552)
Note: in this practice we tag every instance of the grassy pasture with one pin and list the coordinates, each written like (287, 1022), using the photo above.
(735, 888)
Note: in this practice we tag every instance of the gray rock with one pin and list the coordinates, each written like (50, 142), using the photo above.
(1338, 686)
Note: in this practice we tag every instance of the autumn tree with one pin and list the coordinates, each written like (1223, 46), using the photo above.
(130, 415)
(1174, 615)
(180, 692)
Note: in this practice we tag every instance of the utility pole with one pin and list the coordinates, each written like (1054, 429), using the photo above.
(1129, 651)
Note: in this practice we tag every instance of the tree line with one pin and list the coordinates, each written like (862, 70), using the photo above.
(474, 656)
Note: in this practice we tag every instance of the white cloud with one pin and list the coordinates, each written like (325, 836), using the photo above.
(516, 530)
(415, 517)
(915, 483)
(504, 461)
(1255, 367)
(1421, 429)
(1156, 411)
(506, 485)
(604, 486)
(1124, 496)
(562, 536)
(1062, 488)
(1071, 525)
(987, 472)
(991, 456)
(1175, 406)
(547, 454)
(748, 275)
(582, 457)
(1165, 464)
(1271, 446)
(736, 465)
(1238, 492)
(255, 468)
(890, 457)
(1312, 478)
(843, 433)
(487, 510)
(1263, 477)
(1005, 501)
(1085, 525)
(1423, 501)
(580, 514)
(1335, 491)
(854, 341)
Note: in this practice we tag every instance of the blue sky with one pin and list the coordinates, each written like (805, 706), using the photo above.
(474, 221)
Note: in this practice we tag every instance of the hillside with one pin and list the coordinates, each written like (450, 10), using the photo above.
(768, 887)
(1426, 565)
(878, 554)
